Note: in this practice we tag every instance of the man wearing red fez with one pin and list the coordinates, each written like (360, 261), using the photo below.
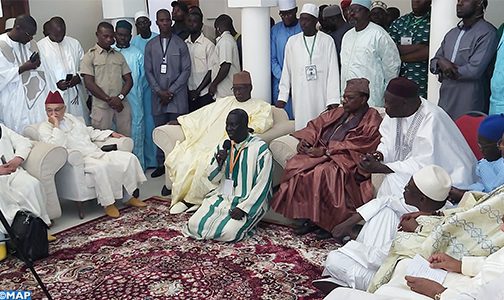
(110, 171)
(345, 7)
(416, 133)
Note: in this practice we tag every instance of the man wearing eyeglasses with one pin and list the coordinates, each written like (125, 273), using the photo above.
(280, 33)
(23, 88)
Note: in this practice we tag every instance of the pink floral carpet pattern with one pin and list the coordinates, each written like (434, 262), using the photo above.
(143, 255)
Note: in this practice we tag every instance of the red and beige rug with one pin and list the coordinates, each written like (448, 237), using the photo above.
(143, 255)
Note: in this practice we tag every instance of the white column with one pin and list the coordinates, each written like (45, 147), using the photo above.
(255, 30)
(443, 18)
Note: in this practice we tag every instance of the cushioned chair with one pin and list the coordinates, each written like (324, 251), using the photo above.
(166, 136)
(43, 163)
(72, 183)
(468, 125)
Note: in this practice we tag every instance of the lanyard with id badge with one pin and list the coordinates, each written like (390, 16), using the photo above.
(164, 65)
(311, 69)
(228, 184)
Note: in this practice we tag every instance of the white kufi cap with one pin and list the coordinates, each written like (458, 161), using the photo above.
(140, 14)
(434, 182)
(284, 5)
(365, 3)
(310, 9)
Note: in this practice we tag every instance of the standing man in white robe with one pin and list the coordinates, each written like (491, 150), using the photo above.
(61, 56)
(23, 86)
(416, 133)
(310, 70)
(110, 171)
(355, 264)
(18, 189)
(368, 51)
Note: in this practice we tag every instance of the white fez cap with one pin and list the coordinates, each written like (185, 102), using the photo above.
(365, 3)
(434, 182)
(284, 5)
(9, 23)
(140, 14)
(310, 9)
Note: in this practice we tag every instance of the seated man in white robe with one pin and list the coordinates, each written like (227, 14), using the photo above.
(18, 189)
(204, 129)
(470, 278)
(355, 264)
(416, 133)
(110, 170)
(230, 212)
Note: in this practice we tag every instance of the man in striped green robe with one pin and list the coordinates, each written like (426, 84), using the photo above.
(232, 210)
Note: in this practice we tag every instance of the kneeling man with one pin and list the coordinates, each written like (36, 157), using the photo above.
(230, 212)
(110, 171)
(18, 189)
(355, 264)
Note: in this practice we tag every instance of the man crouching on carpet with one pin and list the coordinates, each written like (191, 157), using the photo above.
(232, 210)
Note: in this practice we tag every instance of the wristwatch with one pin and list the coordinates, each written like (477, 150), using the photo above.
(120, 96)
(437, 296)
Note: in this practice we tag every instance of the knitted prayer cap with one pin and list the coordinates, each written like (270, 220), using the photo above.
(310, 9)
(285, 5)
(345, 3)
(242, 77)
(379, 4)
(403, 87)
(331, 11)
(434, 182)
(9, 23)
(364, 3)
(492, 127)
(360, 85)
(124, 24)
(54, 98)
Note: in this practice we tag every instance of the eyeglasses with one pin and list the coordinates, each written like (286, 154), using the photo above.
(287, 13)
(500, 144)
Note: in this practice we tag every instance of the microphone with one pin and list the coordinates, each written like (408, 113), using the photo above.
(226, 145)
(222, 154)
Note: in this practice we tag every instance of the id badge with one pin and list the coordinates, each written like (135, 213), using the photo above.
(227, 188)
(164, 68)
(406, 40)
(311, 72)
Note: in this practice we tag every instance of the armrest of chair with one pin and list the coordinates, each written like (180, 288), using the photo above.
(123, 144)
(43, 163)
(279, 129)
(166, 136)
(284, 148)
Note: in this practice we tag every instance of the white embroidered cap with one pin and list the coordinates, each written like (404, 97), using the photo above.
(310, 9)
(140, 14)
(434, 182)
(284, 5)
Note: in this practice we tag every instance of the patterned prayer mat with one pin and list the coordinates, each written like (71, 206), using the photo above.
(143, 255)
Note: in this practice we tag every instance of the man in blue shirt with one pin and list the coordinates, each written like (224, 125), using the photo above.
(280, 33)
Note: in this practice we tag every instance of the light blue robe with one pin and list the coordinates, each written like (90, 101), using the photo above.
(134, 58)
(497, 82)
(149, 146)
(490, 175)
(279, 36)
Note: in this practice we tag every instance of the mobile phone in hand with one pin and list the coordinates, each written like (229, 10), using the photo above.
(4, 161)
(68, 77)
(34, 57)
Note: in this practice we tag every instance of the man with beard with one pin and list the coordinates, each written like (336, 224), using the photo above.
(367, 51)
(462, 61)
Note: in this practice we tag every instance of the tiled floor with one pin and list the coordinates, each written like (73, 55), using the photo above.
(92, 209)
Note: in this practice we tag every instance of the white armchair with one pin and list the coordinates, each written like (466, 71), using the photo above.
(166, 136)
(72, 183)
(43, 163)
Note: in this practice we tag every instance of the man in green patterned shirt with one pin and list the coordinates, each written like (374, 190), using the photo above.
(411, 35)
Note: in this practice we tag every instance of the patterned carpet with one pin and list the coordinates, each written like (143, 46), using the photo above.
(143, 255)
